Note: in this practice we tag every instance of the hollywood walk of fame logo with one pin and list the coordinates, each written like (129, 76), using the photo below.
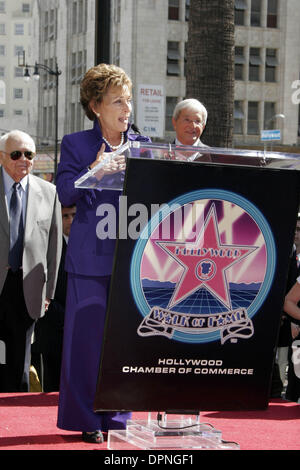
(207, 282)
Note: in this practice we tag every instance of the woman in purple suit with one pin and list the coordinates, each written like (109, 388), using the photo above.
(105, 95)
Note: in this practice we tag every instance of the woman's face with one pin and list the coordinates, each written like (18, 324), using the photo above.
(115, 109)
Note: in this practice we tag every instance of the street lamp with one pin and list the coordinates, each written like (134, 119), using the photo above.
(56, 72)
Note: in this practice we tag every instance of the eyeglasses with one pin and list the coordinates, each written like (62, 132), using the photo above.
(16, 154)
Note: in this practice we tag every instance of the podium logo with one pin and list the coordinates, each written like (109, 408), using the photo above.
(204, 283)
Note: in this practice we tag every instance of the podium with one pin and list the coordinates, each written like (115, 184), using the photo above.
(205, 237)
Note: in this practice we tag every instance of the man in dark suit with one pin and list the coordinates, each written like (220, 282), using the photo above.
(30, 249)
(47, 348)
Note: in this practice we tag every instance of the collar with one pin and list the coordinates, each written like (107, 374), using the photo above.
(9, 182)
(198, 143)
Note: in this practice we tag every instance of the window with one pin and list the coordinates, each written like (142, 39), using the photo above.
(52, 24)
(2, 71)
(76, 117)
(26, 7)
(117, 11)
(171, 102)
(73, 67)
(173, 58)
(19, 29)
(239, 12)
(253, 126)
(255, 12)
(18, 93)
(74, 18)
(72, 120)
(2, 92)
(2, 28)
(239, 61)
(45, 121)
(50, 30)
(1, 113)
(50, 121)
(81, 65)
(272, 14)
(19, 50)
(2, 49)
(269, 113)
(116, 54)
(18, 112)
(78, 66)
(80, 16)
(2, 7)
(173, 13)
(238, 117)
(271, 64)
(254, 64)
(51, 82)
(80, 117)
(19, 72)
(46, 28)
(44, 78)
(187, 10)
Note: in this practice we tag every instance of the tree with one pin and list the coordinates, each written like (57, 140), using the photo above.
(210, 66)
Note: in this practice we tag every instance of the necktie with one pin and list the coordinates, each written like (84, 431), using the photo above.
(16, 229)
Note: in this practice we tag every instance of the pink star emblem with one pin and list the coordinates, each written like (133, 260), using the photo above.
(205, 262)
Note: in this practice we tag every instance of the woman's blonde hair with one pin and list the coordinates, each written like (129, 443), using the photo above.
(96, 82)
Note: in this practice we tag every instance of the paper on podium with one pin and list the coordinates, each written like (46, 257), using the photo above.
(189, 154)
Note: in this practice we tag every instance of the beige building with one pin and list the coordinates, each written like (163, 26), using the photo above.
(15, 36)
(66, 39)
(148, 40)
(267, 64)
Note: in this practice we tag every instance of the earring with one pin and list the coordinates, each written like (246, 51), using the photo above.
(98, 115)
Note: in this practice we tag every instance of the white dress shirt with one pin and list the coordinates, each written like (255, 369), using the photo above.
(8, 189)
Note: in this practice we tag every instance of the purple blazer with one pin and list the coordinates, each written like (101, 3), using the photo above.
(86, 253)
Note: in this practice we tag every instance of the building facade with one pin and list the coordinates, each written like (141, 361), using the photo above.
(16, 33)
(267, 65)
(149, 37)
(66, 38)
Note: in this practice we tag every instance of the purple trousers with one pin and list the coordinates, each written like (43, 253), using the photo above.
(83, 333)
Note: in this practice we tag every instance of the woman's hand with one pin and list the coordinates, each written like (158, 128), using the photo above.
(112, 166)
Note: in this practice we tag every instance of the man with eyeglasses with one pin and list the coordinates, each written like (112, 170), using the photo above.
(189, 121)
(30, 249)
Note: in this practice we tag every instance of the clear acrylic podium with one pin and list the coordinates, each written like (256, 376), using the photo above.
(171, 432)
(173, 152)
(179, 428)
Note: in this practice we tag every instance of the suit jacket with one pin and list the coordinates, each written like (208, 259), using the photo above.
(49, 329)
(86, 254)
(42, 243)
